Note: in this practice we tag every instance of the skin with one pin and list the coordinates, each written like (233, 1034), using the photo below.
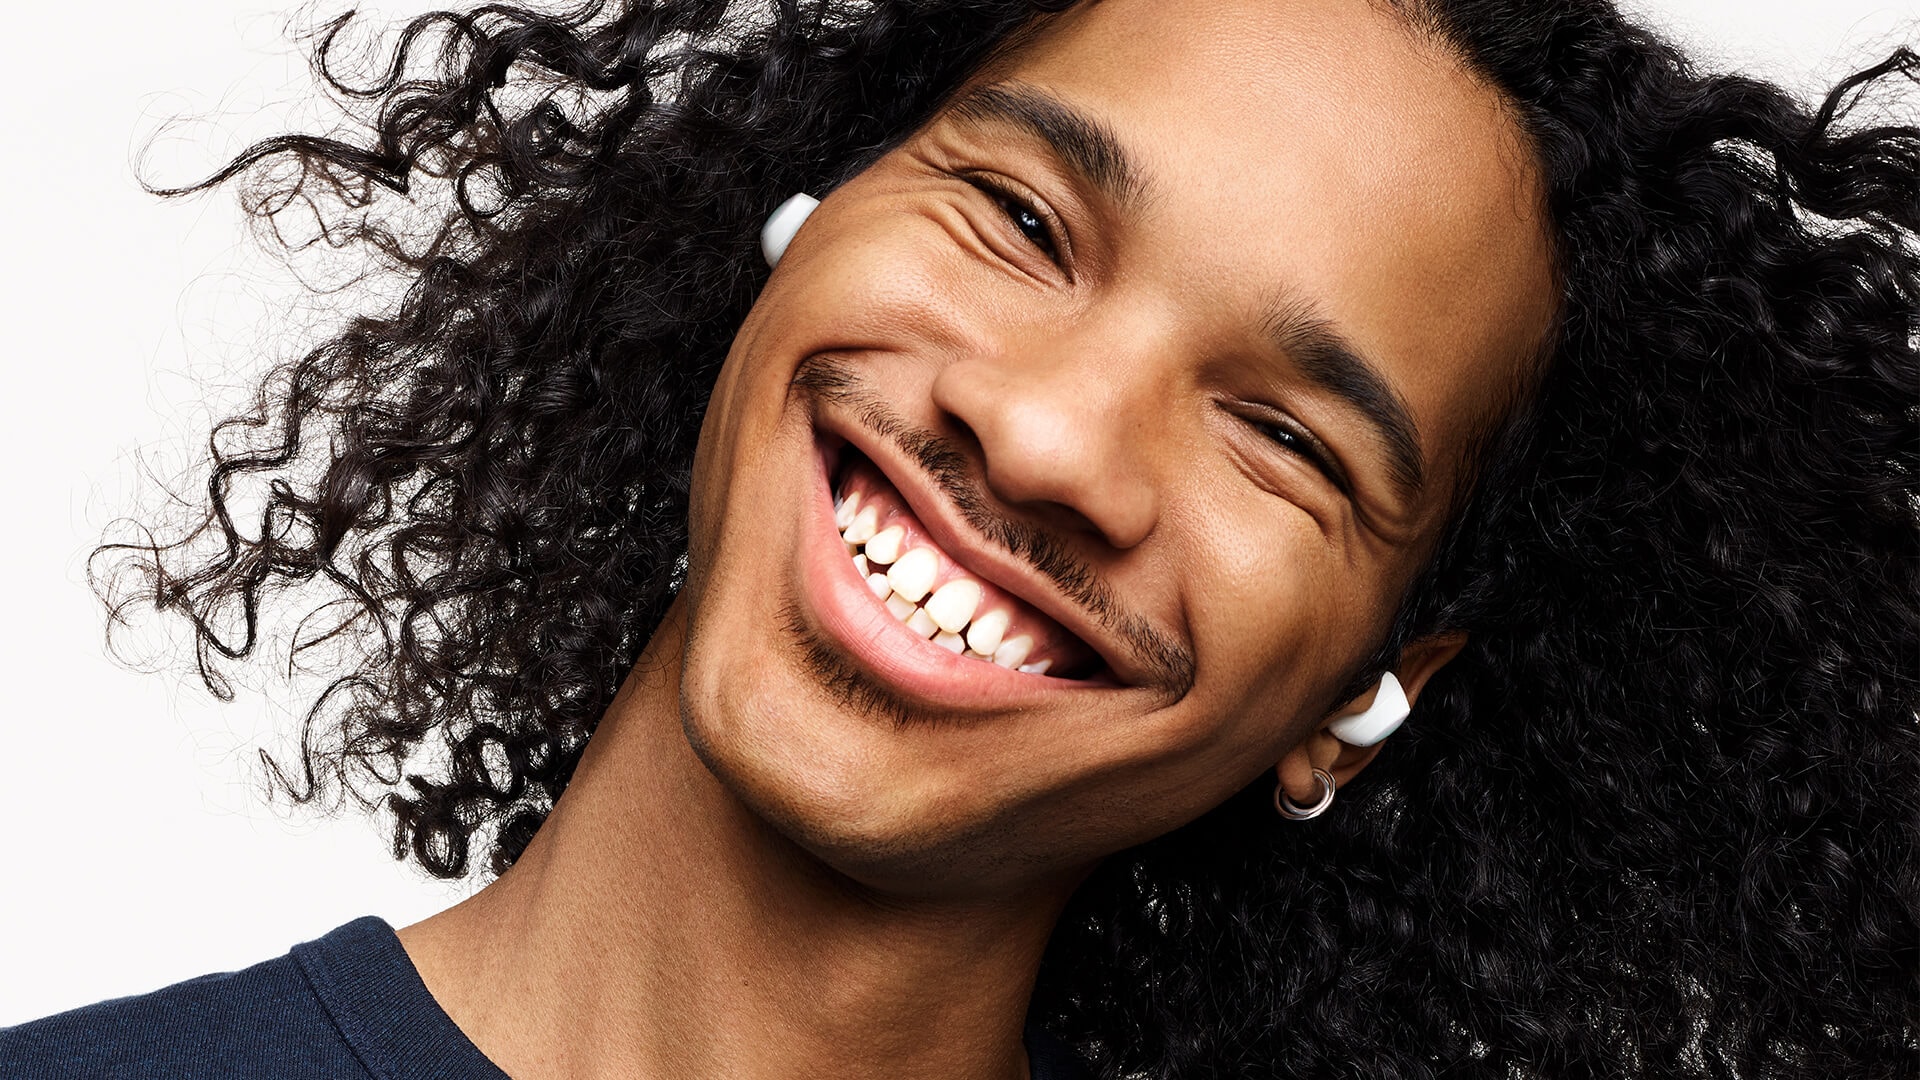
(757, 871)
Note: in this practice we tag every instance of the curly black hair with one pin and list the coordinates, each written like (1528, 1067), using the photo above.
(1660, 818)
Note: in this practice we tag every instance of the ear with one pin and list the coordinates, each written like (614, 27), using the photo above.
(1417, 663)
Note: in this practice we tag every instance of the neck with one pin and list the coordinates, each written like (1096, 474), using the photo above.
(655, 928)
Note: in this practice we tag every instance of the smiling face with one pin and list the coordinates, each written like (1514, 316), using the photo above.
(1145, 366)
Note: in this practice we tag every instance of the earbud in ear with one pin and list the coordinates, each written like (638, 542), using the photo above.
(782, 224)
(1376, 721)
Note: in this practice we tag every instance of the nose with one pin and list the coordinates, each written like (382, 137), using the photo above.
(1068, 422)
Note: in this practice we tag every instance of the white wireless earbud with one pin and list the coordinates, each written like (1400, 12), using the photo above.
(1378, 720)
(782, 224)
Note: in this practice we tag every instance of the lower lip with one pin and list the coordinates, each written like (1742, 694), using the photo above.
(908, 664)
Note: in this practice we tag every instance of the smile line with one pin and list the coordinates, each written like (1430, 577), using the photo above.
(832, 381)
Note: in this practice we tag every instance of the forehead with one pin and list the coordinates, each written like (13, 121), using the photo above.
(1322, 148)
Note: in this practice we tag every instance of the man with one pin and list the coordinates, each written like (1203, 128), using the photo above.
(1168, 394)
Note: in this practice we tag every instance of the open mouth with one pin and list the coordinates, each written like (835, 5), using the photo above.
(933, 594)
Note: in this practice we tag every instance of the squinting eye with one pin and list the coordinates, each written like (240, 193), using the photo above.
(1030, 224)
(1295, 443)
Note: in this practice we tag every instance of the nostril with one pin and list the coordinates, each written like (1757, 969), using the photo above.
(1060, 465)
(1054, 517)
(1013, 481)
(964, 439)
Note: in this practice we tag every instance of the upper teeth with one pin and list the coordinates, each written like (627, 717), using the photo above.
(864, 525)
(953, 605)
(913, 575)
(1013, 651)
(884, 548)
(902, 578)
(984, 635)
(844, 510)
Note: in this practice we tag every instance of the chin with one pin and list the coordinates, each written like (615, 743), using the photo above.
(865, 817)
(900, 697)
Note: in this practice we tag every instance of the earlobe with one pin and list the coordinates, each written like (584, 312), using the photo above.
(1310, 772)
(783, 224)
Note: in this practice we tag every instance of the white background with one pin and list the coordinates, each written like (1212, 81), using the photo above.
(138, 846)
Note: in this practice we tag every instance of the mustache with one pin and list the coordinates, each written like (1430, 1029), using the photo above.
(833, 380)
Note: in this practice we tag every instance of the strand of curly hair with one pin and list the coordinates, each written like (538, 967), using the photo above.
(1660, 818)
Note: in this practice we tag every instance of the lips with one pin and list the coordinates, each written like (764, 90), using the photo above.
(934, 594)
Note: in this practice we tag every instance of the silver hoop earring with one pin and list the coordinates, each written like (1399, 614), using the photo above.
(1293, 811)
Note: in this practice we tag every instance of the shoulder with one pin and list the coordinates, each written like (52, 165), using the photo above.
(265, 1020)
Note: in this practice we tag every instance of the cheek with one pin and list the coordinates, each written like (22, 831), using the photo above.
(891, 272)
(726, 429)
(1273, 609)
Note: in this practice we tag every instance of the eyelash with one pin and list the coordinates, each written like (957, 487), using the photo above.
(1024, 217)
(1294, 442)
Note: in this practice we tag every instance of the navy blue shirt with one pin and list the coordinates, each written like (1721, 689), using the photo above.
(348, 1006)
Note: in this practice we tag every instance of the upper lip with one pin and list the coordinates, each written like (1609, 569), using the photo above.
(987, 562)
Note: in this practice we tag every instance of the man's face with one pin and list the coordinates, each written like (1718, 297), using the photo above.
(1158, 347)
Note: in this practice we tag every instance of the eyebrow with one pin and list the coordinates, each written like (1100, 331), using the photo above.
(1333, 364)
(1085, 145)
